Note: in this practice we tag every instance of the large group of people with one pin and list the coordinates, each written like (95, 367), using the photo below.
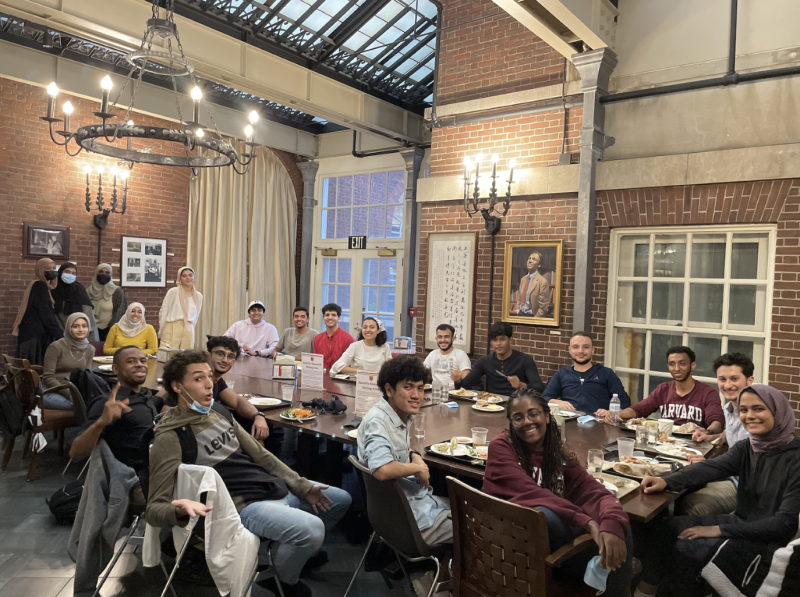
(751, 492)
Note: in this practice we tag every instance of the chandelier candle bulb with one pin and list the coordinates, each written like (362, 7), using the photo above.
(248, 133)
(511, 165)
(197, 95)
(67, 112)
(253, 117)
(106, 86)
(494, 165)
(52, 92)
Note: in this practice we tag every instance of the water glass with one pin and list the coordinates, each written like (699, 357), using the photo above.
(419, 425)
(641, 435)
(625, 446)
(438, 392)
(594, 461)
(230, 384)
(652, 433)
(479, 436)
(287, 392)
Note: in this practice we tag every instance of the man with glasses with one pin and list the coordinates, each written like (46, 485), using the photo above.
(256, 337)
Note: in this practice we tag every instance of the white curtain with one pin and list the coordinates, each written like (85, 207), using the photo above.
(236, 221)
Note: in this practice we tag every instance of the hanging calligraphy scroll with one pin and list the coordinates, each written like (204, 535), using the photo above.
(451, 286)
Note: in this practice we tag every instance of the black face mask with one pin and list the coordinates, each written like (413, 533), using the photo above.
(104, 278)
(50, 274)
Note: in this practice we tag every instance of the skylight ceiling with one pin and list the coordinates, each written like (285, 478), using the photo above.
(383, 47)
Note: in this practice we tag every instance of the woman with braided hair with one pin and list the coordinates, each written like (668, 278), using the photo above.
(529, 465)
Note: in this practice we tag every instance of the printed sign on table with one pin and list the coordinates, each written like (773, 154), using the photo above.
(312, 371)
(367, 392)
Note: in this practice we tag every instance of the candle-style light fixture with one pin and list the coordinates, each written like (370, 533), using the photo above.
(472, 179)
(166, 60)
(116, 176)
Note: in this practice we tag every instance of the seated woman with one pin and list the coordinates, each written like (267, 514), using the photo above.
(132, 330)
(64, 356)
(528, 465)
(367, 353)
(767, 501)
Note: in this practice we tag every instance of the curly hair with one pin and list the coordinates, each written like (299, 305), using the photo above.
(380, 337)
(556, 456)
(406, 366)
(223, 341)
(500, 328)
(733, 359)
(175, 369)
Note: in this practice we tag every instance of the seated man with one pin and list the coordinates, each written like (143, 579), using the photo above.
(447, 363)
(124, 418)
(734, 374)
(683, 400)
(505, 369)
(256, 337)
(273, 501)
(585, 386)
(299, 339)
(384, 445)
(332, 344)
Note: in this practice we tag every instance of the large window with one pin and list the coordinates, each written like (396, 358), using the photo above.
(363, 205)
(706, 287)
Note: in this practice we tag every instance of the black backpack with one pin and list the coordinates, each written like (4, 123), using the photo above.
(12, 417)
(64, 502)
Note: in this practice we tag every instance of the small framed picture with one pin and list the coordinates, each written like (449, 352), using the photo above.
(144, 262)
(45, 240)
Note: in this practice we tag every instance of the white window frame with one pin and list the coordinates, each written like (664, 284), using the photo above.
(724, 332)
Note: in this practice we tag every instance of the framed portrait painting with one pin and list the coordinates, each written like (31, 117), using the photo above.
(45, 240)
(532, 282)
(144, 262)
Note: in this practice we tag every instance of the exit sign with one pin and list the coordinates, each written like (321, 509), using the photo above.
(357, 242)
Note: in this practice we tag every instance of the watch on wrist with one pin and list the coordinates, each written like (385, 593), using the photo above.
(260, 414)
(258, 353)
(412, 452)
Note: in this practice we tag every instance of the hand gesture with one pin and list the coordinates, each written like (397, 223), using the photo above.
(613, 551)
(698, 532)
(516, 383)
(113, 410)
(190, 508)
(653, 485)
(318, 500)
(260, 428)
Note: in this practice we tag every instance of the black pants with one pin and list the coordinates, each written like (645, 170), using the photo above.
(104, 332)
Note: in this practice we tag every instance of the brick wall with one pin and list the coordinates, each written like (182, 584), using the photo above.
(486, 52)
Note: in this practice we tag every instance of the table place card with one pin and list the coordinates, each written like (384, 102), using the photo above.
(367, 391)
(312, 368)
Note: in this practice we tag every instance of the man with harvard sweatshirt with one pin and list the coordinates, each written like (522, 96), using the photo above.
(273, 501)
(528, 466)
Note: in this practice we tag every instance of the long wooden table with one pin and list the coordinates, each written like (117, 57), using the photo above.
(253, 375)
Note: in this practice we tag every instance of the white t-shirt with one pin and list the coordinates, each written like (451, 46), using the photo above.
(363, 358)
(442, 364)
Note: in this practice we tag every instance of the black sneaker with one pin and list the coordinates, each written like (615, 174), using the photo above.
(315, 561)
(296, 590)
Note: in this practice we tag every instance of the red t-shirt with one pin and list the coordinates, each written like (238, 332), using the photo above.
(702, 405)
(332, 347)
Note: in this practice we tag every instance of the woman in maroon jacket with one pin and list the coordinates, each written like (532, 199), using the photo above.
(528, 465)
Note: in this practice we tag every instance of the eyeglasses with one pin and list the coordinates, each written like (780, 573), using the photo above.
(531, 415)
(225, 356)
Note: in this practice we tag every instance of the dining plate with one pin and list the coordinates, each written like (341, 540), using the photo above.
(489, 408)
(105, 368)
(283, 416)
(427, 386)
(353, 433)
(264, 401)
(463, 439)
(108, 359)
(677, 451)
(462, 393)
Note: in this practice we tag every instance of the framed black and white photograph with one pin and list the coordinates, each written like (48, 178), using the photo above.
(144, 262)
(532, 282)
(45, 240)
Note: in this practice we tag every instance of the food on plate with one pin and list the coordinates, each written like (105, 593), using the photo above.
(482, 405)
(487, 397)
(636, 460)
(427, 386)
(686, 428)
(633, 423)
(451, 448)
(677, 451)
(462, 392)
(642, 470)
(297, 413)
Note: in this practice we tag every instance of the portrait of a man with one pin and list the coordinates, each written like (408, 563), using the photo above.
(532, 282)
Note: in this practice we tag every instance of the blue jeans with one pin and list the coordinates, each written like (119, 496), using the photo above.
(299, 532)
(56, 401)
(618, 583)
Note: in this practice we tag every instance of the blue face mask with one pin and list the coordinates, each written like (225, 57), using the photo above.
(198, 408)
(68, 278)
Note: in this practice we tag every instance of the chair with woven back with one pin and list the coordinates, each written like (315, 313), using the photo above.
(26, 384)
(503, 550)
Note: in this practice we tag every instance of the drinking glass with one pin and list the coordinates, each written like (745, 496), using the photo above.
(287, 392)
(230, 384)
(594, 461)
(479, 436)
(438, 392)
(652, 433)
(641, 435)
(419, 425)
(625, 446)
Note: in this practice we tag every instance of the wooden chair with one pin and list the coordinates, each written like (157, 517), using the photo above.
(27, 387)
(503, 550)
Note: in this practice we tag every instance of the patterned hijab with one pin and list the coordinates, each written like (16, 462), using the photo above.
(41, 266)
(127, 327)
(74, 343)
(783, 431)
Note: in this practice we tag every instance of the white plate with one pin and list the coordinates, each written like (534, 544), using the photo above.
(491, 408)
(665, 450)
(104, 368)
(427, 386)
(492, 399)
(298, 420)
(353, 433)
(109, 359)
(262, 401)
(463, 393)
(464, 439)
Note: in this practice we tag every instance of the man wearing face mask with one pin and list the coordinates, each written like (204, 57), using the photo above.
(108, 299)
(273, 501)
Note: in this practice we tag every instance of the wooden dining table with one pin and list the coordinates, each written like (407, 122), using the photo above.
(253, 375)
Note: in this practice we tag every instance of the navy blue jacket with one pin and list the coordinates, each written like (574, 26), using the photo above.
(587, 391)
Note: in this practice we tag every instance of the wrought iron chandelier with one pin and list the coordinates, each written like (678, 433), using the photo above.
(472, 179)
(114, 207)
(189, 135)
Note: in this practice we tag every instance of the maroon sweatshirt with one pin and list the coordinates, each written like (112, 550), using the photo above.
(584, 498)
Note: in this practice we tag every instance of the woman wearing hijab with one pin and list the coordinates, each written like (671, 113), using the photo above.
(108, 299)
(64, 356)
(132, 330)
(767, 500)
(36, 325)
(180, 311)
(71, 297)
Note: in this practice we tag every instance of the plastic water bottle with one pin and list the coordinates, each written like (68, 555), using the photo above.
(614, 408)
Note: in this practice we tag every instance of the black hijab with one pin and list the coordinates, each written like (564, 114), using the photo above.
(69, 298)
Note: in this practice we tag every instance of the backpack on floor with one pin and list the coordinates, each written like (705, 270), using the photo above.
(64, 502)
